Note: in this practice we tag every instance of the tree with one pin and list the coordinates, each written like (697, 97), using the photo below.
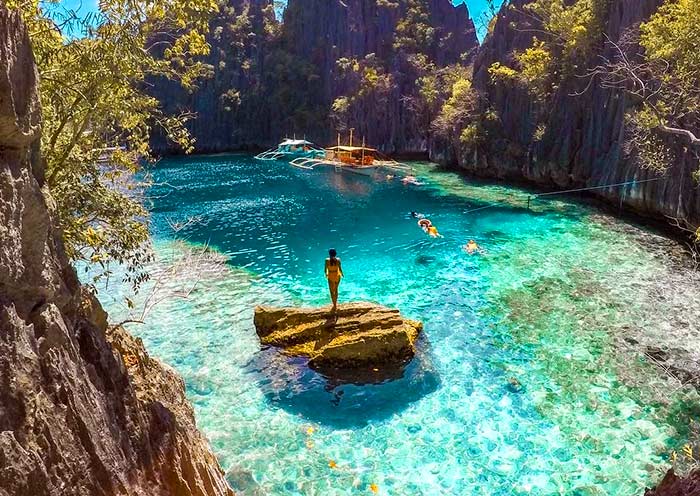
(414, 32)
(658, 66)
(459, 120)
(371, 87)
(564, 35)
(98, 119)
(672, 91)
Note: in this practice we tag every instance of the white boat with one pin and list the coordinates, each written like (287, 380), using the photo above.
(292, 149)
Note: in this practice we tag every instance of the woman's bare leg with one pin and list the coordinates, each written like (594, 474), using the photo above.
(333, 287)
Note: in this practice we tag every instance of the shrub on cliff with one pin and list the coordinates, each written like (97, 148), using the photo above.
(564, 34)
(97, 118)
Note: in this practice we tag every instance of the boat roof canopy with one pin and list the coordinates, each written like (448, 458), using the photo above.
(352, 148)
(294, 142)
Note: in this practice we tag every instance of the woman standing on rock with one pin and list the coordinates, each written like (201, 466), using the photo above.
(334, 272)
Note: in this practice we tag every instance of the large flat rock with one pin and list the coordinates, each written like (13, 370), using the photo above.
(357, 335)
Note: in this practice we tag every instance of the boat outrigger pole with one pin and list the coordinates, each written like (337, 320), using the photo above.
(363, 150)
(352, 129)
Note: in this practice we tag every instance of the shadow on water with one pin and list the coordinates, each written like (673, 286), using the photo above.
(347, 399)
(425, 259)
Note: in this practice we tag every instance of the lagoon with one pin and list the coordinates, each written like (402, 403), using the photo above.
(522, 385)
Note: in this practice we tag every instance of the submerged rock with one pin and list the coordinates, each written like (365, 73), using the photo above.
(672, 485)
(358, 335)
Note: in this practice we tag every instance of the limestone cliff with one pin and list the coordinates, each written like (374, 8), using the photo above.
(83, 409)
(229, 106)
(271, 79)
(323, 31)
(582, 137)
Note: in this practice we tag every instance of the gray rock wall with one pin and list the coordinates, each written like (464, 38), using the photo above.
(293, 80)
(583, 144)
(83, 409)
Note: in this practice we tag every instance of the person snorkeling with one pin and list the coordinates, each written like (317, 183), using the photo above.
(334, 272)
(416, 215)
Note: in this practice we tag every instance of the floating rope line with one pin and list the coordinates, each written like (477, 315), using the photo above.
(599, 187)
(591, 188)
(490, 205)
(563, 192)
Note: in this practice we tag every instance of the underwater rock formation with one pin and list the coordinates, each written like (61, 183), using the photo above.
(576, 138)
(672, 485)
(358, 335)
(83, 409)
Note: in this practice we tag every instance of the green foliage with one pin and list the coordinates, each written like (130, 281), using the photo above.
(414, 32)
(341, 105)
(371, 85)
(458, 119)
(470, 136)
(429, 88)
(671, 35)
(566, 33)
(673, 66)
(97, 119)
(573, 27)
(535, 64)
(290, 88)
(663, 82)
(539, 132)
(502, 73)
(651, 151)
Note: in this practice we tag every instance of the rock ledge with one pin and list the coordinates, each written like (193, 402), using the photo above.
(358, 335)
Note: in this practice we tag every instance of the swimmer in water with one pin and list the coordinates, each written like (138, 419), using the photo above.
(411, 180)
(433, 232)
(424, 224)
(416, 215)
(471, 247)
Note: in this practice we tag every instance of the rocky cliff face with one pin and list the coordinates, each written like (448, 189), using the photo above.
(229, 106)
(583, 143)
(83, 409)
(322, 32)
(286, 74)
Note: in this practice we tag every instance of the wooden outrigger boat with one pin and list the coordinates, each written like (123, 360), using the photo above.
(292, 149)
(358, 159)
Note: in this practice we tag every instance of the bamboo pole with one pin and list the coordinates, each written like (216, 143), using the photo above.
(363, 150)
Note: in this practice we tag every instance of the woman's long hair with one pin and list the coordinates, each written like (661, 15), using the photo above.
(333, 254)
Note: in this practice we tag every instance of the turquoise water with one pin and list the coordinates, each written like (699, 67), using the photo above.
(543, 305)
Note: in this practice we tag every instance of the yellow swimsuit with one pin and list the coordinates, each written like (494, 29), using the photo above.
(333, 272)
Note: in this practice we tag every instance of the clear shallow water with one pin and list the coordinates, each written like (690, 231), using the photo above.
(543, 304)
